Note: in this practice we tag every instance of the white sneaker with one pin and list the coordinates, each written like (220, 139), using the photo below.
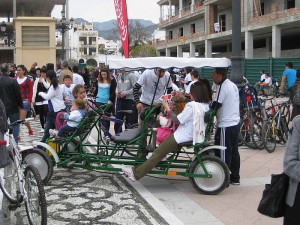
(53, 132)
(42, 130)
(128, 173)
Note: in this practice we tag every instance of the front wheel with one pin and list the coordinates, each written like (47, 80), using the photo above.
(9, 181)
(268, 137)
(218, 170)
(35, 203)
(41, 161)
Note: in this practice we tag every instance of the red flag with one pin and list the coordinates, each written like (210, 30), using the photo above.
(121, 12)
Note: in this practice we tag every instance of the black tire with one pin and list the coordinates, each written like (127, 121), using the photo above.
(284, 130)
(267, 136)
(256, 131)
(9, 183)
(41, 161)
(219, 171)
(35, 203)
(245, 133)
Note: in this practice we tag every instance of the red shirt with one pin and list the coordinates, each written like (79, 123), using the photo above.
(26, 89)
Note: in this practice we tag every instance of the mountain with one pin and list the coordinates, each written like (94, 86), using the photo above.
(107, 29)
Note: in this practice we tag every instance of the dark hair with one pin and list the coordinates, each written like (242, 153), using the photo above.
(23, 68)
(201, 91)
(52, 76)
(50, 66)
(4, 68)
(75, 69)
(44, 69)
(108, 75)
(79, 103)
(188, 69)
(267, 74)
(76, 89)
(289, 64)
(195, 74)
(221, 71)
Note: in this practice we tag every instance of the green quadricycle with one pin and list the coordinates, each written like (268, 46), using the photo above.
(207, 173)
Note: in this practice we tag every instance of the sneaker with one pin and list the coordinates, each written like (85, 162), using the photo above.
(42, 130)
(235, 183)
(53, 132)
(30, 132)
(128, 173)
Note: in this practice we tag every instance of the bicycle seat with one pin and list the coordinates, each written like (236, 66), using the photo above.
(127, 135)
(125, 111)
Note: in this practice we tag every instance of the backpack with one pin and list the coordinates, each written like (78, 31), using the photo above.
(248, 97)
(296, 98)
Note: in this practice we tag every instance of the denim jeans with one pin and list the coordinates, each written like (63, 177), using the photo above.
(50, 124)
(12, 118)
(104, 123)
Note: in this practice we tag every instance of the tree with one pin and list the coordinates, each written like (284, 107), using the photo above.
(143, 51)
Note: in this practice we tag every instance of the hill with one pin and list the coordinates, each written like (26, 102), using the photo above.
(107, 29)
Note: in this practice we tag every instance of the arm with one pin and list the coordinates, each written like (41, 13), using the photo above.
(170, 113)
(112, 91)
(18, 93)
(132, 80)
(45, 83)
(291, 163)
(50, 94)
(282, 84)
(34, 90)
(30, 89)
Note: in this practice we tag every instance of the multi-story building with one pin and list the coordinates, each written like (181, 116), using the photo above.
(203, 28)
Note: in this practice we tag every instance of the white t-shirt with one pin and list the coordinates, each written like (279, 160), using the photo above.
(184, 132)
(229, 114)
(268, 80)
(188, 89)
(187, 79)
(262, 77)
(67, 91)
(77, 79)
(148, 80)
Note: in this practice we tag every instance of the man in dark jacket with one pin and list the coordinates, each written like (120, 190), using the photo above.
(11, 96)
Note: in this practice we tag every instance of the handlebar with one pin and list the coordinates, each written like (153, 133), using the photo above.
(17, 122)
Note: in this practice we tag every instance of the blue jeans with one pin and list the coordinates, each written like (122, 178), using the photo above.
(65, 130)
(50, 124)
(104, 123)
(12, 118)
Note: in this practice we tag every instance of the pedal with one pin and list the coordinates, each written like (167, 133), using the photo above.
(13, 206)
(71, 164)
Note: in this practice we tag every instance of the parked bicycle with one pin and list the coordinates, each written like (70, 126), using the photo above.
(22, 182)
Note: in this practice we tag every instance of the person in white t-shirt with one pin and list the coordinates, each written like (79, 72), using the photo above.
(192, 114)
(77, 79)
(194, 76)
(228, 118)
(67, 88)
(266, 84)
(188, 79)
(262, 79)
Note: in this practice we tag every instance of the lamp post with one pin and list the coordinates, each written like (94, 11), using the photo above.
(3, 26)
(63, 25)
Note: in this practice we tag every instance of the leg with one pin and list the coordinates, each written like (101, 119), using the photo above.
(39, 109)
(65, 131)
(119, 115)
(50, 123)
(164, 148)
(12, 118)
(59, 121)
(132, 118)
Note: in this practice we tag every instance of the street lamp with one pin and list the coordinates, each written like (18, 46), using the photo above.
(3, 26)
(64, 25)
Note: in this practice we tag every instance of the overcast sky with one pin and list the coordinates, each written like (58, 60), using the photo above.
(103, 10)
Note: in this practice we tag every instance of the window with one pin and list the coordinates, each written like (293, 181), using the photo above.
(193, 28)
(170, 35)
(91, 40)
(262, 8)
(35, 36)
(180, 32)
(222, 22)
(290, 4)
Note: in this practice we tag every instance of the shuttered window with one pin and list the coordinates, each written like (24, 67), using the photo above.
(35, 36)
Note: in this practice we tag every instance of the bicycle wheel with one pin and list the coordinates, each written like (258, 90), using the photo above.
(284, 131)
(35, 203)
(9, 181)
(216, 168)
(41, 161)
(267, 137)
(256, 131)
(245, 135)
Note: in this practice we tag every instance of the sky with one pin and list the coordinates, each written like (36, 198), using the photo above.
(103, 10)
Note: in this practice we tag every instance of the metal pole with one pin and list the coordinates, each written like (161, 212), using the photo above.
(63, 43)
(236, 58)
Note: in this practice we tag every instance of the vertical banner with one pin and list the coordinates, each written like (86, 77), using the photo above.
(121, 12)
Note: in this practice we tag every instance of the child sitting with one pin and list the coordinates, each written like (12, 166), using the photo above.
(73, 119)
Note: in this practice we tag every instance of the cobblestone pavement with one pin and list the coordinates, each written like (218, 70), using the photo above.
(87, 197)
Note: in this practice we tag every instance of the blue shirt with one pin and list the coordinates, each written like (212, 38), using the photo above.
(290, 75)
(103, 93)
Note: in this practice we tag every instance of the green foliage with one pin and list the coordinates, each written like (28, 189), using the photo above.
(143, 51)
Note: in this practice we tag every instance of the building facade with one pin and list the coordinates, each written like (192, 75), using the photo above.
(203, 28)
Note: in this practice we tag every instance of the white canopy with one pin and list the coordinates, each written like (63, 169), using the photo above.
(167, 62)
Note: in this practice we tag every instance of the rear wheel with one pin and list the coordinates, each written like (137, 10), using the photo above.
(256, 131)
(9, 181)
(268, 137)
(216, 168)
(41, 161)
(245, 134)
(35, 203)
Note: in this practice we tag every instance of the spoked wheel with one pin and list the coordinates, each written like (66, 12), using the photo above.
(218, 170)
(41, 161)
(9, 182)
(268, 138)
(35, 203)
(284, 131)
(256, 131)
(245, 133)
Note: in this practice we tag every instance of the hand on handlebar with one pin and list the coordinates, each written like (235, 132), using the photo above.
(139, 107)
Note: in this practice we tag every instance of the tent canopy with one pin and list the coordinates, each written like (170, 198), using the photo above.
(167, 63)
